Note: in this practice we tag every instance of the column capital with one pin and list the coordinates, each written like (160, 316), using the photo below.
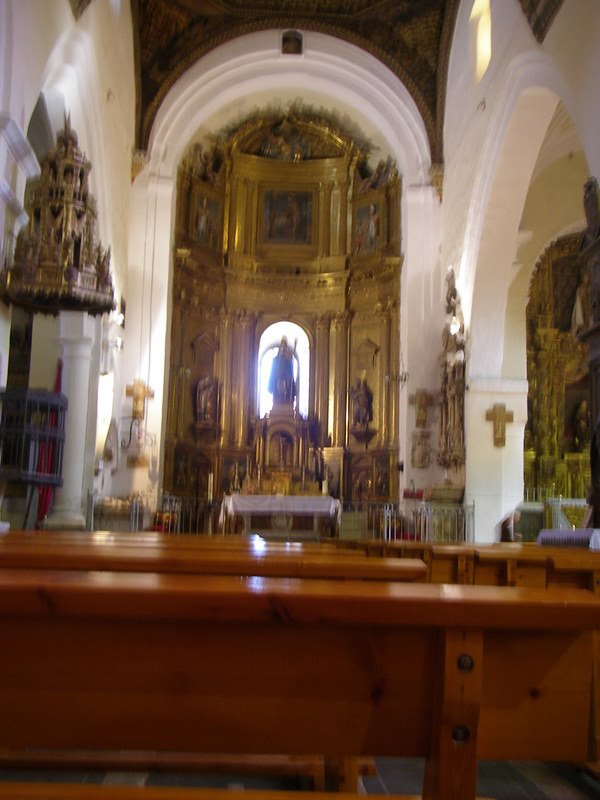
(340, 320)
(322, 322)
(76, 326)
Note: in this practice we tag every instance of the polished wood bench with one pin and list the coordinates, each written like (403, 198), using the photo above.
(165, 555)
(220, 664)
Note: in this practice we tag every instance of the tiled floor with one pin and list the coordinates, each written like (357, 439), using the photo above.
(501, 780)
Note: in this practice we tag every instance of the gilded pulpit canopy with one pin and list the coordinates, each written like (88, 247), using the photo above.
(58, 264)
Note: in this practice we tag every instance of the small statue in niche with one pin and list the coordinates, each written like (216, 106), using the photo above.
(581, 426)
(362, 399)
(580, 313)
(591, 205)
(420, 453)
(281, 380)
(375, 179)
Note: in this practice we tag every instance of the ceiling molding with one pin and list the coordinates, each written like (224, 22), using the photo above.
(540, 15)
(411, 37)
(78, 7)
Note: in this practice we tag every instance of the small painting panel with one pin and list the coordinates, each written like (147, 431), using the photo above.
(366, 228)
(287, 217)
(180, 471)
(207, 221)
(233, 472)
(382, 477)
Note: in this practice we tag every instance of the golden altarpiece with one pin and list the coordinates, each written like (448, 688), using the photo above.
(557, 435)
(283, 219)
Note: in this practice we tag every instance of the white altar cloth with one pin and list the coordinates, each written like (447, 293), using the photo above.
(307, 505)
(595, 540)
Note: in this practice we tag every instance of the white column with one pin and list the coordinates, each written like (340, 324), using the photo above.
(75, 338)
(494, 475)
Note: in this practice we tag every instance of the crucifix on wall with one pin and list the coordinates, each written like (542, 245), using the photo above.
(138, 391)
(421, 399)
(499, 416)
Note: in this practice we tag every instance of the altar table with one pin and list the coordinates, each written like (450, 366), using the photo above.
(278, 505)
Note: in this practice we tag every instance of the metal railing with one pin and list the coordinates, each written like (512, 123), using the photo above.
(176, 514)
(538, 494)
(422, 522)
(557, 505)
(114, 513)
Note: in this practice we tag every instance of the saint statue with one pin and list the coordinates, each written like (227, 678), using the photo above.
(362, 398)
(591, 206)
(281, 381)
(581, 426)
(580, 315)
(205, 397)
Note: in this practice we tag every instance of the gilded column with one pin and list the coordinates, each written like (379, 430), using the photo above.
(384, 312)
(225, 341)
(335, 217)
(321, 372)
(243, 368)
(323, 232)
(339, 351)
(239, 204)
(183, 388)
(175, 365)
(252, 211)
(182, 381)
(394, 424)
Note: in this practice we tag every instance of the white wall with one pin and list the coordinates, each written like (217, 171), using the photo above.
(493, 134)
(89, 64)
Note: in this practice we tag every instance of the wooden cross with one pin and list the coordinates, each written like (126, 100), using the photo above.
(499, 416)
(139, 392)
(421, 399)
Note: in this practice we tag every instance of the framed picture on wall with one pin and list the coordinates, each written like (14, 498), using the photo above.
(206, 221)
(287, 217)
(367, 226)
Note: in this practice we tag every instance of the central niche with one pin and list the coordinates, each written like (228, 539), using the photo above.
(267, 350)
(283, 228)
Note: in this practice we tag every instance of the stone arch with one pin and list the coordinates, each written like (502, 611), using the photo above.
(213, 90)
(348, 77)
(522, 112)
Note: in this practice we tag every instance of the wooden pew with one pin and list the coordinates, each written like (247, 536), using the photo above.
(218, 664)
(165, 555)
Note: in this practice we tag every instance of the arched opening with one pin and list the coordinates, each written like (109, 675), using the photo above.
(267, 350)
(481, 31)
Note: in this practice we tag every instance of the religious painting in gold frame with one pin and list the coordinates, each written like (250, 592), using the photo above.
(287, 219)
(367, 228)
(207, 222)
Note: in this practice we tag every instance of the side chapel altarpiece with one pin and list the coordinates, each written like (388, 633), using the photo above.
(557, 435)
(283, 219)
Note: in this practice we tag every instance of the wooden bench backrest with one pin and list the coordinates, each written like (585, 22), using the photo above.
(189, 555)
(220, 664)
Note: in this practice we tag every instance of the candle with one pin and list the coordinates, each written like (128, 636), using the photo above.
(210, 487)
